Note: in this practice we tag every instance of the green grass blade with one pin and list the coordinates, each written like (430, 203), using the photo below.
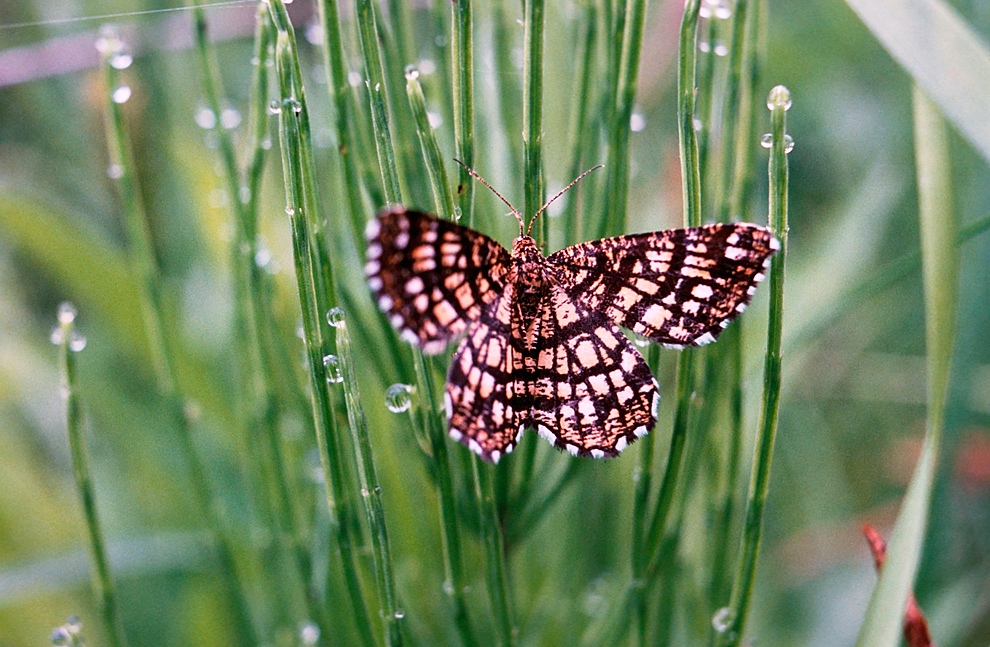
(928, 37)
(69, 343)
(153, 307)
(462, 63)
(885, 614)
(732, 624)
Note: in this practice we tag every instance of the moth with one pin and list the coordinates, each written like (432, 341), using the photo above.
(540, 340)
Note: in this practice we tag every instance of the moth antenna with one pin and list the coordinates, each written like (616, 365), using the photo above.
(475, 175)
(560, 193)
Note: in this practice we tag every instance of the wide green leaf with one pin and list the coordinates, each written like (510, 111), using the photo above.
(943, 55)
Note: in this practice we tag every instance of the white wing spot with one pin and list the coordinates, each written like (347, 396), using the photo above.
(372, 229)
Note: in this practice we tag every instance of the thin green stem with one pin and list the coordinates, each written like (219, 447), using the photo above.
(581, 124)
(69, 342)
(498, 585)
(259, 399)
(442, 199)
(433, 421)
(375, 74)
(298, 176)
(462, 62)
(509, 97)
(617, 168)
(742, 588)
(687, 135)
(152, 300)
(533, 110)
(371, 491)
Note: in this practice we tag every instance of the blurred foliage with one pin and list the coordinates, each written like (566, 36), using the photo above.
(853, 408)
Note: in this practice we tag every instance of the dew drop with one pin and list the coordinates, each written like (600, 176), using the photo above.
(412, 73)
(274, 107)
(266, 144)
(637, 122)
(66, 312)
(121, 94)
(704, 46)
(205, 118)
(73, 624)
(354, 79)
(77, 341)
(121, 60)
(335, 317)
(767, 142)
(365, 492)
(57, 336)
(398, 398)
(779, 97)
(640, 341)
(721, 49)
(458, 213)
(399, 614)
(262, 257)
(435, 119)
(244, 194)
(60, 636)
(294, 105)
(448, 587)
(723, 619)
(427, 66)
(309, 633)
(314, 33)
(332, 365)
(230, 118)
(115, 171)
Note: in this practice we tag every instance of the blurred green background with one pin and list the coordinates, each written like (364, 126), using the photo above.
(854, 382)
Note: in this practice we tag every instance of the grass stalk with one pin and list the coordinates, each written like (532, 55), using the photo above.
(633, 18)
(371, 491)
(69, 343)
(462, 63)
(509, 97)
(649, 555)
(432, 420)
(258, 399)
(581, 124)
(499, 591)
(142, 258)
(730, 631)
(375, 79)
(533, 180)
(299, 188)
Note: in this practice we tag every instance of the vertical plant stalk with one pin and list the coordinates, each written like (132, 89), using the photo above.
(505, 75)
(375, 74)
(647, 558)
(737, 115)
(142, 257)
(498, 586)
(433, 422)
(940, 270)
(66, 337)
(298, 176)
(259, 399)
(371, 491)
(462, 63)
(618, 151)
(732, 619)
(533, 36)
(581, 126)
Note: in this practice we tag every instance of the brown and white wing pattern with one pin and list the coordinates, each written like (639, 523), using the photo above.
(592, 392)
(679, 287)
(487, 393)
(430, 276)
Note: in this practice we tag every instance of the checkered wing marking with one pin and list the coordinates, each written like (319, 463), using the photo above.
(485, 393)
(679, 287)
(430, 276)
(593, 393)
